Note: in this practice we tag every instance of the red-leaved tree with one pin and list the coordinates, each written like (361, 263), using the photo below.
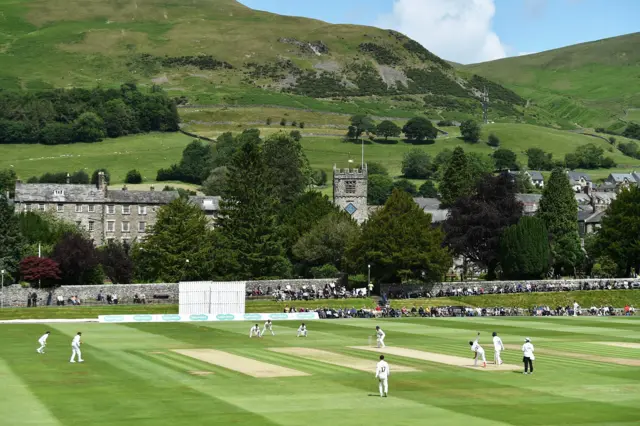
(42, 269)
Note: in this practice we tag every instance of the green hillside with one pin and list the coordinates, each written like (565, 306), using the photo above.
(221, 52)
(591, 84)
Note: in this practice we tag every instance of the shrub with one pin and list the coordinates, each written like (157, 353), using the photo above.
(493, 140)
(283, 122)
(133, 177)
(296, 135)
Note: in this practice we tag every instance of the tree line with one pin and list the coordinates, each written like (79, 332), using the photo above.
(65, 116)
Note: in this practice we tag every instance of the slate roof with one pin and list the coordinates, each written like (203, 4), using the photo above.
(590, 217)
(57, 193)
(620, 177)
(535, 175)
(575, 176)
(432, 206)
(141, 197)
(582, 198)
(529, 198)
(208, 204)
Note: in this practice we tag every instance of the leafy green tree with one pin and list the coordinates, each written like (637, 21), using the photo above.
(406, 186)
(374, 168)
(558, 210)
(360, 124)
(399, 242)
(283, 122)
(539, 160)
(470, 131)
(604, 267)
(441, 162)
(618, 236)
(78, 260)
(180, 246)
(457, 181)
(286, 167)
(417, 164)
(115, 258)
(327, 242)
(630, 149)
(524, 250)
(133, 177)
(388, 129)
(195, 163)
(95, 174)
(119, 119)
(296, 135)
(216, 181)
(11, 240)
(428, 190)
(493, 140)
(57, 134)
(324, 271)
(250, 245)
(319, 177)
(523, 183)
(8, 179)
(632, 131)
(505, 159)
(379, 189)
(89, 127)
(80, 177)
(419, 129)
(475, 223)
(480, 165)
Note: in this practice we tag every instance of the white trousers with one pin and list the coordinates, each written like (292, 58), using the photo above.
(381, 342)
(302, 333)
(255, 333)
(480, 356)
(75, 350)
(496, 356)
(42, 345)
(383, 386)
(270, 329)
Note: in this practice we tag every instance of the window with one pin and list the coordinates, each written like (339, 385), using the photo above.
(58, 192)
(125, 227)
(142, 209)
(91, 225)
(60, 208)
(111, 209)
(142, 227)
(26, 207)
(78, 208)
(92, 208)
(42, 207)
(111, 226)
(350, 186)
(126, 209)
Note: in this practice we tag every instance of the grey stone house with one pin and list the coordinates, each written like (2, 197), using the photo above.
(579, 180)
(623, 179)
(106, 214)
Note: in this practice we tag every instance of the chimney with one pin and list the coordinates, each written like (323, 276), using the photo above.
(152, 188)
(102, 182)
(68, 179)
(124, 188)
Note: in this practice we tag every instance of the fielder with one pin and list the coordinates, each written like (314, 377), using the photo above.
(75, 348)
(302, 330)
(527, 356)
(380, 337)
(268, 326)
(43, 342)
(479, 352)
(255, 331)
(498, 347)
(382, 374)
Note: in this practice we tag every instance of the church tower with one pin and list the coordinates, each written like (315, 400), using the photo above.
(350, 192)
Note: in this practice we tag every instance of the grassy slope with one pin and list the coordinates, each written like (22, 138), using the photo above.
(131, 377)
(615, 298)
(590, 84)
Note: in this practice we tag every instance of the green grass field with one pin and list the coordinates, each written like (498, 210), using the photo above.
(133, 375)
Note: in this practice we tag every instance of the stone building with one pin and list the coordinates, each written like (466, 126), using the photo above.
(350, 191)
(105, 213)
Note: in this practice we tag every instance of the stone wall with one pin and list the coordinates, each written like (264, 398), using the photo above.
(15, 295)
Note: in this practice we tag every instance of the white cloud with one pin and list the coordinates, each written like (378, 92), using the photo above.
(457, 30)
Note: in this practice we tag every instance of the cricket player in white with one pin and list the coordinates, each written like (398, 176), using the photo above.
(380, 337)
(75, 348)
(43, 342)
(498, 347)
(255, 331)
(268, 326)
(479, 352)
(576, 308)
(382, 374)
(527, 356)
(302, 330)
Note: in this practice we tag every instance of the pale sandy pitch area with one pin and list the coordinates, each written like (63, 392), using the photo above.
(243, 365)
(621, 344)
(340, 359)
(588, 357)
(457, 361)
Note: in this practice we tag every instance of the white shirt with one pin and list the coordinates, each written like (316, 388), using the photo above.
(380, 333)
(575, 305)
(476, 347)
(497, 343)
(255, 329)
(382, 370)
(527, 348)
(76, 340)
(43, 339)
(268, 325)
(302, 328)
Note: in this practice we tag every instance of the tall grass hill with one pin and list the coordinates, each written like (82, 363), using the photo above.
(221, 52)
(590, 84)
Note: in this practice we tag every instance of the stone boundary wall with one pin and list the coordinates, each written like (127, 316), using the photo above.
(16, 296)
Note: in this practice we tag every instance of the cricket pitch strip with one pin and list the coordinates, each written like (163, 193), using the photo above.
(456, 361)
(588, 357)
(620, 344)
(243, 365)
(340, 359)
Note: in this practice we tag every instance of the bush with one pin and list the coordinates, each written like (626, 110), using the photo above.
(301, 125)
(324, 271)
(493, 140)
(269, 121)
(283, 122)
(445, 123)
(296, 135)
(133, 177)
(294, 123)
(417, 164)
(470, 131)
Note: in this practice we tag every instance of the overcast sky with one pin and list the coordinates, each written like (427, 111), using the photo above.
(469, 31)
